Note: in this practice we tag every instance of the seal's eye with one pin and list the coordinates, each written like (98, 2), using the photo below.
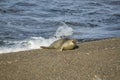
(74, 41)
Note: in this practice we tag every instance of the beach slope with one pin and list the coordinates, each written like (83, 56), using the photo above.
(95, 60)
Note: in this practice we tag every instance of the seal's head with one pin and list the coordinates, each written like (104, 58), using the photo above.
(74, 41)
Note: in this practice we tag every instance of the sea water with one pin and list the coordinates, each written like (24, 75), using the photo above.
(29, 24)
(35, 42)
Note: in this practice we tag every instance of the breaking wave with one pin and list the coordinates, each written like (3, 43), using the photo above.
(36, 42)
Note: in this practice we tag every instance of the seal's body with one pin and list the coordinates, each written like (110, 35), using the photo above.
(62, 44)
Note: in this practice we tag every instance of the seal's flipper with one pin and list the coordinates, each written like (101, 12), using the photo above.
(61, 49)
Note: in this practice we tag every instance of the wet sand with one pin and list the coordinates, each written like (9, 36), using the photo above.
(95, 60)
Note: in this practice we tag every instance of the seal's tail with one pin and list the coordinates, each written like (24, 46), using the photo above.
(44, 47)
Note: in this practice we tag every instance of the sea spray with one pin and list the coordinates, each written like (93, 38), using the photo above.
(64, 30)
(36, 42)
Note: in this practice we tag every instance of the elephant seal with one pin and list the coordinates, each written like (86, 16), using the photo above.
(62, 44)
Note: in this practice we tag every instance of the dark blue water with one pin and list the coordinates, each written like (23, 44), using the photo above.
(26, 21)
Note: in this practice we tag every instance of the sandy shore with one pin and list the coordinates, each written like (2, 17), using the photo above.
(95, 60)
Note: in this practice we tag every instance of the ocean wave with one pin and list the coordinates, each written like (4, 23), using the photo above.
(35, 42)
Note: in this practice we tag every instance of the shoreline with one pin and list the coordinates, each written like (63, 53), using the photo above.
(80, 42)
(94, 60)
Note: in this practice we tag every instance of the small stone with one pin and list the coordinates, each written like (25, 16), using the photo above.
(106, 48)
(9, 62)
(97, 78)
(88, 53)
(113, 47)
(16, 61)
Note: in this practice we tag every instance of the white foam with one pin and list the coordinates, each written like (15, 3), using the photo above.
(36, 42)
(64, 31)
